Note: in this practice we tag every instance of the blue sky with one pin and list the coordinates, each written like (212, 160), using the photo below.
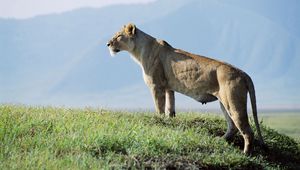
(31, 8)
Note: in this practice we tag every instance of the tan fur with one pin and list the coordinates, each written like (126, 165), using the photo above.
(167, 69)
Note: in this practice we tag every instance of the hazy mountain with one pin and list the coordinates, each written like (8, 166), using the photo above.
(62, 59)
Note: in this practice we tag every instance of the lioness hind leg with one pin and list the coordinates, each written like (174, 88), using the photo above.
(247, 133)
(234, 100)
(231, 128)
(238, 110)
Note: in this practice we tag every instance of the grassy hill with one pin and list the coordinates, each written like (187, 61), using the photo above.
(64, 138)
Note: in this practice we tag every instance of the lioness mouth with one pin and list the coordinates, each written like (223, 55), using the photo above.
(113, 51)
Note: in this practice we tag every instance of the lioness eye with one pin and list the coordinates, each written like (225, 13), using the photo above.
(119, 37)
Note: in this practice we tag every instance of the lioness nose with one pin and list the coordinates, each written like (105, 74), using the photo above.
(108, 44)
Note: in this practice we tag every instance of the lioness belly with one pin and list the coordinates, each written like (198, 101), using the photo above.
(199, 95)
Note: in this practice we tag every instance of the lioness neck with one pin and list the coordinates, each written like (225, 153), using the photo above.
(141, 54)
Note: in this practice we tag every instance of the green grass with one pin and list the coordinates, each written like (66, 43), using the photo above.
(61, 138)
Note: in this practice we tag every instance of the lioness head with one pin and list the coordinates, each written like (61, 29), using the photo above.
(122, 40)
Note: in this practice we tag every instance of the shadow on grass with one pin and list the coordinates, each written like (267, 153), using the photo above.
(282, 149)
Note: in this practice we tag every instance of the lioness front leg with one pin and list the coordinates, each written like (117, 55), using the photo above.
(170, 103)
(158, 94)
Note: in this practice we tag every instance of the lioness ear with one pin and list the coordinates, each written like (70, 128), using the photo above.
(130, 29)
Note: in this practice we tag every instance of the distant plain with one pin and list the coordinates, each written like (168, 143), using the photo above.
(287, 123)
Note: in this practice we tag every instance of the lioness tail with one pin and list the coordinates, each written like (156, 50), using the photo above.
(251, 91)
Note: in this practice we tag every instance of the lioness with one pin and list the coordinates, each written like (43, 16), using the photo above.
(167, 69)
